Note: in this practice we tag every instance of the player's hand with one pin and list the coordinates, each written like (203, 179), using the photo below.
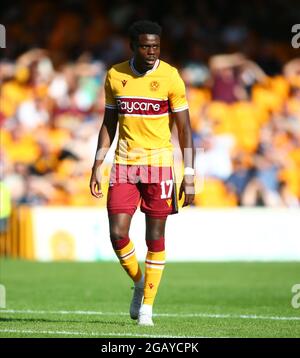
(188, 188)
(95, 183)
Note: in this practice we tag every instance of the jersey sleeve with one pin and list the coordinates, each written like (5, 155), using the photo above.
(110, 101)
(177, 96)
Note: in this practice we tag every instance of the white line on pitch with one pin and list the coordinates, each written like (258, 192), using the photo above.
(96, 334)
(183, 315)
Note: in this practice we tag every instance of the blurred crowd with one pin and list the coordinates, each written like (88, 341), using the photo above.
(193, 31)
(244, 106)
(247, 123)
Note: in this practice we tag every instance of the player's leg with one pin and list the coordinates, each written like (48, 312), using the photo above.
(158, 201)
(155, 261)
(119, 225)
(121, 204)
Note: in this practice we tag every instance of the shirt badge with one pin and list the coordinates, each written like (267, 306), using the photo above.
(154, 86)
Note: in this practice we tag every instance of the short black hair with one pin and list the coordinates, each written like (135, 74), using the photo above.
(143, 27)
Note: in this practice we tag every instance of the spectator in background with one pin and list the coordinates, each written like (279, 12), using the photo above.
(264, 186)
(32, 113)
(240, 177)
(232, 77)
(214, 157)
(224, 81)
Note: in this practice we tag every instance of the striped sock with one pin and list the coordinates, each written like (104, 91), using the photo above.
(128, 259)
(155, 263)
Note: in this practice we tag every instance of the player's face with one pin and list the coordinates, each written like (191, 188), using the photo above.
(146, 51)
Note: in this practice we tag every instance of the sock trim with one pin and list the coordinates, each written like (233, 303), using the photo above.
(155, 262)
(156, 266)
(126, 256)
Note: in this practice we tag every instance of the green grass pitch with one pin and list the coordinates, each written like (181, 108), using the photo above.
(195, 300)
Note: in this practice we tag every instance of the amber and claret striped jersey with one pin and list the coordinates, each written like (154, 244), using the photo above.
(145, 103)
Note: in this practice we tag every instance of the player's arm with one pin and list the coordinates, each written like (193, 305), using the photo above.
(105, 139)
(187, 187)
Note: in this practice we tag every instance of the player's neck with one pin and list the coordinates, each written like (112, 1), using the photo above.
(141, 70)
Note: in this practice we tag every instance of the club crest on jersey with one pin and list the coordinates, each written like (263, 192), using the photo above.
(124, 83)
(150, 285)
(154, 86)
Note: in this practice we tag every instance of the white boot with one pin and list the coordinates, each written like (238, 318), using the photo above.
(145, 316)
(137, 298)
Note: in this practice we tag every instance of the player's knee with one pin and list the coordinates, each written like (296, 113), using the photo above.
(119, 237)
(154, 233)
(118, 231)
(155, 244)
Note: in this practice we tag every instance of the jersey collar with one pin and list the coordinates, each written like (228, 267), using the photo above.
(137, 73)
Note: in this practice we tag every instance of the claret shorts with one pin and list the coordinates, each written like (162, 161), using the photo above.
(153, 187)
